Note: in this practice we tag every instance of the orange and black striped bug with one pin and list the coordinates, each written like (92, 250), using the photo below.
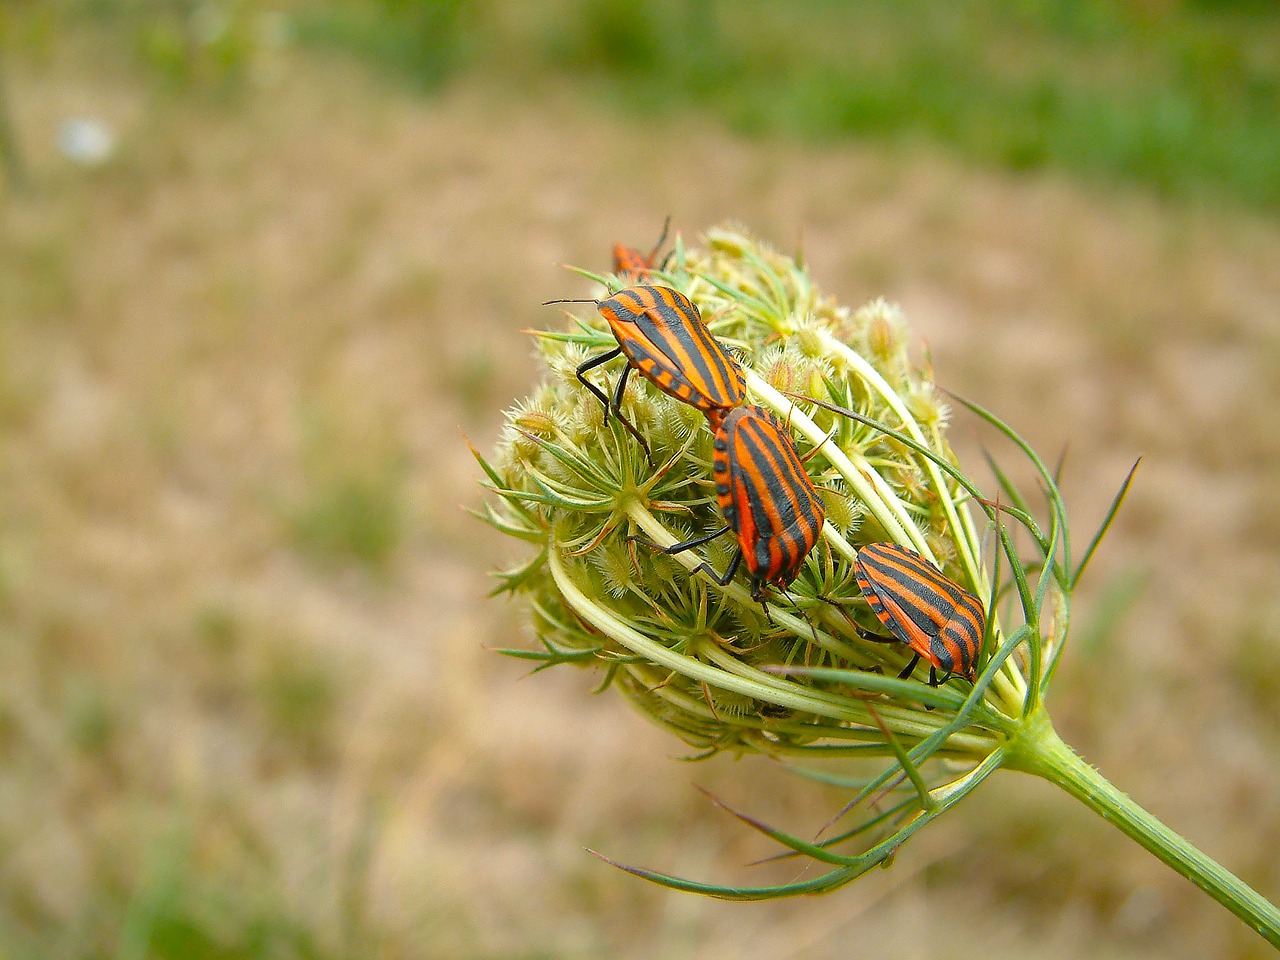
(663, 336)
(933, 615)
(628, 262)
(767, 500)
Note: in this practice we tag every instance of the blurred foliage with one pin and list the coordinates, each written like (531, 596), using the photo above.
(185, 45)
(352, 516)
(1181, 96)
(1255, 666)
(114, 843)
(350, 506)
(176, 903)
(422, 41)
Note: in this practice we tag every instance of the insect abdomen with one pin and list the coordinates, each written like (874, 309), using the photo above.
(933, 615)
(765, 494)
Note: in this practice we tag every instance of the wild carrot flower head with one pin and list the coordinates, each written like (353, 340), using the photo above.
(805, 676)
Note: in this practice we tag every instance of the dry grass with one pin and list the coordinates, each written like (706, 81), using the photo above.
(245, 705)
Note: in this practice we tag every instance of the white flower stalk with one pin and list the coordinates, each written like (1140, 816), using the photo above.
(797, 678)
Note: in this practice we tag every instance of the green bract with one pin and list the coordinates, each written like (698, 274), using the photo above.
(793, 678)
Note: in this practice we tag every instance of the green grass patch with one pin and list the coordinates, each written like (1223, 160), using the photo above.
(351, 517)
(351, 505)
(422, 41)
(1182, 98)
(299, 692)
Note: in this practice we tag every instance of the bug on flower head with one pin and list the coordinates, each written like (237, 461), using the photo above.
(766, 497)
(933, 615)
(630, 263)
(662, 335)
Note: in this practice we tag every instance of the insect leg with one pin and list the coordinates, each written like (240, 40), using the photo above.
(724, 578)
(616, 406)
(911, 665)
(684, 545)
(874, 637)
(609, 404)
(666, 225)
(935, 680)
(720, 578)
(592, 363)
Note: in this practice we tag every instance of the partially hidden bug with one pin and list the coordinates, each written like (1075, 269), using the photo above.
(663, 336)
(933, 615)
(767, 499)
(630, 263)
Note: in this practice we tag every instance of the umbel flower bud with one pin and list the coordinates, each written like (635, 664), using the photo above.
(797, 668)
(799, 674)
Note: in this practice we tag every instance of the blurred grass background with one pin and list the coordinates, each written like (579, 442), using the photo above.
(1179, 97)
(245, 705)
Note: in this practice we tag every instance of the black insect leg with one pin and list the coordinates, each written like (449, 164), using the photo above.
(704, 567)
(683, 545)
(616, 406)
(880, 638)
(874, 637)
(666, 225)
(720, 578)
(933, 675)
(614, 403)
(590, 364)
(911, 665)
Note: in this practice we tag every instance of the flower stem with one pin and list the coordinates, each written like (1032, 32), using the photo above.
(1038, 750)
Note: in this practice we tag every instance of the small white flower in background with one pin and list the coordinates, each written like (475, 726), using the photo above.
(87, 141)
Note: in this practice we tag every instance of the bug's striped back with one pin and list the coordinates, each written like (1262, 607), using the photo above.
(765, 495)
(630, 262)
(663, 336)
(931, 614)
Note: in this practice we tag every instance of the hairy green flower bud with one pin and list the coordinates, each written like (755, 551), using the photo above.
(796, 677)
(799, 677)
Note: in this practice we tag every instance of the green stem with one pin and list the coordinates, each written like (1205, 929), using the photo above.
(1038, 749)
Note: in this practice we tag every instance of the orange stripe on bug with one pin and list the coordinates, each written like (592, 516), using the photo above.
(630, 264)
(662, 335)
(934, 616)
(768, 501)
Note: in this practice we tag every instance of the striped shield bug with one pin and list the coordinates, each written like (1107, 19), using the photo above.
(630, 263)
(766, 497)
(933, 615)
(663, 336)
